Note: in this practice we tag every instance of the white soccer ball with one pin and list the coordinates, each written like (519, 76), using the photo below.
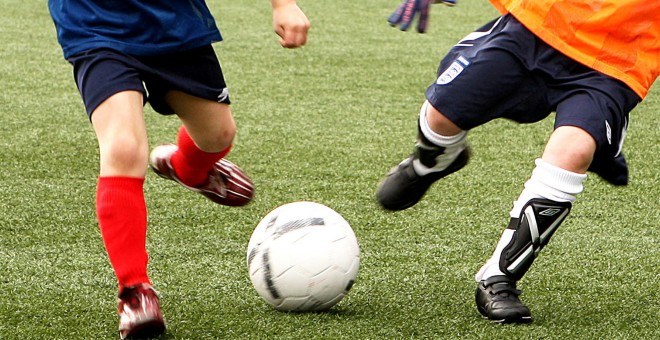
(303, 257)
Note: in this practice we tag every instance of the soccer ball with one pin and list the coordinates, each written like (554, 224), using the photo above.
(303, 257)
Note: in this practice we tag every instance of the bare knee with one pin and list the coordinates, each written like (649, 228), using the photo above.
(220, 138)
(439, 123)
(124, 155)
(210, 124)
(570, 148)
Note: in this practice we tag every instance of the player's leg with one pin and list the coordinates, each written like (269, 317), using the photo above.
(197, 161)
(113, 95)
(210, 124)
(589, 130)
(537, 213)
(206, 136)
(441, 150)
(475, 84)
(121, 209)
(119, 126)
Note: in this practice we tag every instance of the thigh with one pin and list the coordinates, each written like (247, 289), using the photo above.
(122, 135)
(485, 76)
(195, 72)
(209, 123)
(600, 106)
(101, 73)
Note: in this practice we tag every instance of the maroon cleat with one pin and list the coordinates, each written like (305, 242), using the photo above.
(227, 184)
(139, 313)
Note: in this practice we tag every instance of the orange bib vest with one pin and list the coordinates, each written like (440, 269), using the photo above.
(620, 38)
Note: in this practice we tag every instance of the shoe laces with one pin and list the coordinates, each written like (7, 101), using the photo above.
(216, 182)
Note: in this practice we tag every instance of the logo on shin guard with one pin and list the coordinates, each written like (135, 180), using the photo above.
(549, 212)
(537, 223)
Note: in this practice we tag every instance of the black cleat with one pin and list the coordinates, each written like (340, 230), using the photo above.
(497, 300)
(403, 187)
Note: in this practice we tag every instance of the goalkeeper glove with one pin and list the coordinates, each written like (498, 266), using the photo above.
(409, 9)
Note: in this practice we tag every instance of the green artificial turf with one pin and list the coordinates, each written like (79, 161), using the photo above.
(322, 123)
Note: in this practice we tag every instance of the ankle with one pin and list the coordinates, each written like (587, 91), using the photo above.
(434, 158)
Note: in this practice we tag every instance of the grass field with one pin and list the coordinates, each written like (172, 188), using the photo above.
(323, 123)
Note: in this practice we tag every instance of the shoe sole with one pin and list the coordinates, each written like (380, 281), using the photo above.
(511, 320)
(149, 329)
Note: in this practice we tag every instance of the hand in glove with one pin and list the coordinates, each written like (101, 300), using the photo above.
(409, 9)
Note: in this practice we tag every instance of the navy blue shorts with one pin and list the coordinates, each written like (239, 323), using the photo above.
(100, 73)
(502, 70)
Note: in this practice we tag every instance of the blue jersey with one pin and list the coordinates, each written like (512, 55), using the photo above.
(139, 27)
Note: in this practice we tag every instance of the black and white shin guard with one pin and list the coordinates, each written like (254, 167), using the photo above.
(532, 230)
(536, 215)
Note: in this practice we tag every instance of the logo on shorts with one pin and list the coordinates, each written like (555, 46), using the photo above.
(223, 95)
(453, 71)
(624, 132)
(608, 131)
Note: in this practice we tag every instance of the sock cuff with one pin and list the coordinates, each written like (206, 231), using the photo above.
(434, 137)
(186, 143)
(549, 182)
(121, 180)
(192, 164)
(558, 178)
(554, 183)
(192, 152)
(117, 190)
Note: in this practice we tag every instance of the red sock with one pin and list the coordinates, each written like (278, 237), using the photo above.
(122, 216)
(190, 163)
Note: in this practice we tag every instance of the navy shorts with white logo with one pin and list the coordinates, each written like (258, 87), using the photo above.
(503, 70)
(100, 73)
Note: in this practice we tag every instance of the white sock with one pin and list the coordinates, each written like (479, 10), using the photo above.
(453, 145)
(547, 181)
(492, 266)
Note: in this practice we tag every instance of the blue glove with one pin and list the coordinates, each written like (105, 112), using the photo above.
(409, 9)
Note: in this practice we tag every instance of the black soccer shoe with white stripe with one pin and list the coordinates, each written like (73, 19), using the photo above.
(497, 300)
(403, 187)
